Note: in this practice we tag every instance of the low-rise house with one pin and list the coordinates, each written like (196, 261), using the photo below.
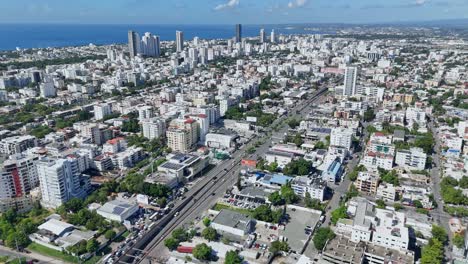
(233, 223)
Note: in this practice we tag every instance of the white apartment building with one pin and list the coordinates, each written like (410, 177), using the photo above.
(341, 137)
(47, 88)
(350, 79)
(153, 128)
(145, 112)
(414, 158)
(102, 110)
(390, 230)
(316, 187)
(415, 115)
(386, 192)
(18, 176)
(17, 144)
(377, 160)
(60, 181)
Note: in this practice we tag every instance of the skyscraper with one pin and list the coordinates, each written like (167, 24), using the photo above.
(180, 41)
(273, 36)
(150, 45)
(350, 79)
(133, 43)
(238, 33)
(262, 36)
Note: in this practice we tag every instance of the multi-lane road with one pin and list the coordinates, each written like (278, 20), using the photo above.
(205, 193)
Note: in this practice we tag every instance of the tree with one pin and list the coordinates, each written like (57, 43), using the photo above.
(92, 245)
(171, 243)
(206, 221)
(398, 207)
(288, 194)
(273, 167)
(17, 239)
(293, 123)
(312, 203)
(232, 258)
(380, 204)
(338, 213)
(275, 198)
(298, 167)
(180, 234)
(417, 204)
(202, 252)
(369, 115)
(439, 234)
(209, 234)
(389, 177)
(110, 234)
(459, 240)
(433, 252)
(298, 140)
(278, 246)
(322, 235)
(463, 183)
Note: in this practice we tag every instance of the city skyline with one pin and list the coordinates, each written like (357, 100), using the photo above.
(232, 11)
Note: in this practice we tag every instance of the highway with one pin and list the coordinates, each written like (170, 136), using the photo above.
(206, 192)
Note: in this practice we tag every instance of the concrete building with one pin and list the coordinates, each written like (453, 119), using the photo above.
(281, 158)
(367, 183)
(183, 166)
(102, 110)
(179, 41)
(233, 223)
(117, 210)
(386, 192)
(315, 187)
(263, 38)
(133, 43)
(238, 33)
(153, 128)
(17, 144)
(333, 172)
(390, 230)
(350, 79)
(342, 137)
(413, 159)
(60, 181)
(221, 140)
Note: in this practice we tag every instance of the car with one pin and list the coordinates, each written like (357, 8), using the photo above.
(213, 193)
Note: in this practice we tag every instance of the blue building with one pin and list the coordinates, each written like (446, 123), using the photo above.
(333, 172)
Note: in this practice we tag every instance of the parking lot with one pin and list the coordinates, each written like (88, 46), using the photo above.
(295, 231)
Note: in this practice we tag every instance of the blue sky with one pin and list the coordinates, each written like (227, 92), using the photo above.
(229, 11)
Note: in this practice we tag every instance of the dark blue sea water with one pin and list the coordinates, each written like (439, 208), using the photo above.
(54, 35)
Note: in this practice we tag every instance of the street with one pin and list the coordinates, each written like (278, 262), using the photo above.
(205, 193)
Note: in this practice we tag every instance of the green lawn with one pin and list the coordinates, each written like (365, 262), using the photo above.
(93, 260)
(219, 207)
(52, 253)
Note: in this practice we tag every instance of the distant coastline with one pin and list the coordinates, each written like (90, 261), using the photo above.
(26, 36)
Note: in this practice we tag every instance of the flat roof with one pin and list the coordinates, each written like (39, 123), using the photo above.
(116, 207)
(232, 219)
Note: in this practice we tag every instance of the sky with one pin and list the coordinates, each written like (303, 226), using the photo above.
(229, 11)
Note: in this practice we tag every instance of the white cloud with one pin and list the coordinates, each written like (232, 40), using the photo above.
(420, 2)
(299, 3)
(229, 4)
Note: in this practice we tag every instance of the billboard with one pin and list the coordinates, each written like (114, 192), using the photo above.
(249, 163)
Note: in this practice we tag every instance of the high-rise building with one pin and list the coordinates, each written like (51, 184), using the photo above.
(102, 110)
(262, 35)
(60, 181)
(179, 41)
(153, 127)
(18, 176)
(350, 79)
(183, 134)
(341, 137)
(238, 33)
(47, 88)
(273, 36)
(150, 45)
(133, 43)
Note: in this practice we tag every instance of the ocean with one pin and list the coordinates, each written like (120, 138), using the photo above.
(56, 35)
